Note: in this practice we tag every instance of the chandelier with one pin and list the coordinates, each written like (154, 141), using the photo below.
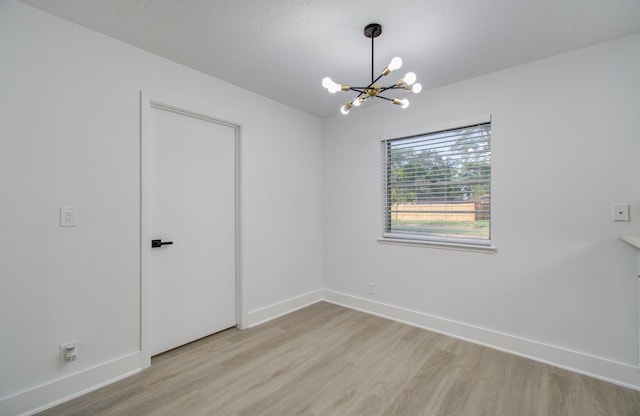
(371, 91)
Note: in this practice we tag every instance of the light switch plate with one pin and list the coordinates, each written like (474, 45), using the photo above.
(620, 212)
(68, 217)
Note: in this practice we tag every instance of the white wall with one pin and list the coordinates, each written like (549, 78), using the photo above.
(561, 287)
(69, 135)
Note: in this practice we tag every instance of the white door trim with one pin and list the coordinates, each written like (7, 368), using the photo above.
(145, 233)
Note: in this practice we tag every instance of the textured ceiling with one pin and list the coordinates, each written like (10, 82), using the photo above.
(283, 48)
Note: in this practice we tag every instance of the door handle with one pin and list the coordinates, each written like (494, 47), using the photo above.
(160, 243)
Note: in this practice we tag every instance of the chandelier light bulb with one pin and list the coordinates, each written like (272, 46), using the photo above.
(416, 88)
(402, 103)
(330, 85)
(344, 110)
(334, 87)
(396, 63)
(410, 78)
(357, 102)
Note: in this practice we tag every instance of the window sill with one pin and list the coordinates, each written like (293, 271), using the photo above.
(438, 244)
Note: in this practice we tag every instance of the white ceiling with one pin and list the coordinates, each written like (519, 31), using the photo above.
(283, 48)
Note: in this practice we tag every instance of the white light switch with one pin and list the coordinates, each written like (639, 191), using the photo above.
(620, 212)
(68, 217)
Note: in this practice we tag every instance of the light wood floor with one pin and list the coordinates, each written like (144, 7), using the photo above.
(329, 360)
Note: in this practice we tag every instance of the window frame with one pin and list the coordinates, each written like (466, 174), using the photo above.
(427, 240)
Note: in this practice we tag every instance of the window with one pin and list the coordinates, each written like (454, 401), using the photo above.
(437, 186)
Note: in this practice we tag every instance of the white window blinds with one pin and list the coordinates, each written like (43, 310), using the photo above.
(437, 186)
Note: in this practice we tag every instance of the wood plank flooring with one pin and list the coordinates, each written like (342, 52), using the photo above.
(330, 360)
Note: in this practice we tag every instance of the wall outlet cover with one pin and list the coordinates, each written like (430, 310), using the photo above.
(68, 217)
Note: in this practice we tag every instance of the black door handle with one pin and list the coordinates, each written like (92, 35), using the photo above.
(160, 243)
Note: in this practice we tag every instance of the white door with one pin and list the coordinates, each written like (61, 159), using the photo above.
(192, 275)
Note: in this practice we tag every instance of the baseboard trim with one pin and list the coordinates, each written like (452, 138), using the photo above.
(276, 310)
(611, 371)
(48, 395)
(58, 391)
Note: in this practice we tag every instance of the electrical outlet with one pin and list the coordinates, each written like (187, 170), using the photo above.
(371, 288)
(68, 217)
(69, 351)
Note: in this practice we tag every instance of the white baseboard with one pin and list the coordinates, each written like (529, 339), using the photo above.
(58, 391)
(262, 315)
(614, 372)
(50, 394)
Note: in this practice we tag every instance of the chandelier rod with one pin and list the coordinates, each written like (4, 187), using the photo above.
(372, 49)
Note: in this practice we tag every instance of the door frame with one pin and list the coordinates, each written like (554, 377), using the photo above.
(146, 105)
